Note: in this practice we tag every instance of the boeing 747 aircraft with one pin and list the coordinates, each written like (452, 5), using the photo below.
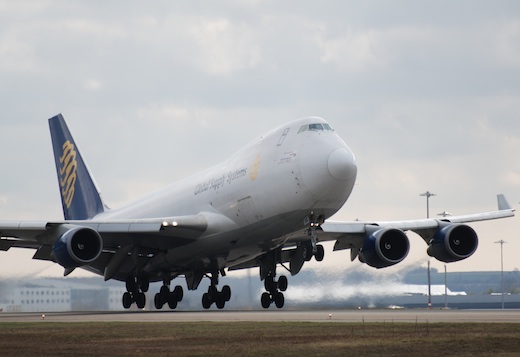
(267, 206)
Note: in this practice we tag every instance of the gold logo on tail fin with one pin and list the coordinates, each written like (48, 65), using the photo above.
(67, 173)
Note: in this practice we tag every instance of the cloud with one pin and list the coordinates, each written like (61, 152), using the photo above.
(427, 98)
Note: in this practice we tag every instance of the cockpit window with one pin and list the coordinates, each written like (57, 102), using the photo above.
(315, 127)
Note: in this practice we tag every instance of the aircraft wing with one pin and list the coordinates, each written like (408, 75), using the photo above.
(352, 234)
(384, 243)
(150, 235)
(30, 234)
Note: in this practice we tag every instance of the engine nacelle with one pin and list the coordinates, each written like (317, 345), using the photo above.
(77, 246)
(384, 247)
(453, 242)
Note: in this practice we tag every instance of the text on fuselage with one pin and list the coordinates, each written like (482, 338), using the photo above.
(216, 183)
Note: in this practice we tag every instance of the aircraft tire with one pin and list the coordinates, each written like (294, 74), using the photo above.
(226, 292)
(282, 283)
(158, 302)
(269, 283)
(127, 300)
(172, 301)
(140, 300)
(279, 300)
(220, 301)
(320, 253)
(179, 293)
(206, 301)
(265, 300)
(130, 283)
(143, 282)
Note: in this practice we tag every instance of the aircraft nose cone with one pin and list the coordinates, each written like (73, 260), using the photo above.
(341, 164)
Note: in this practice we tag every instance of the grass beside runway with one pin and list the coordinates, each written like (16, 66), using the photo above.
(258, 338)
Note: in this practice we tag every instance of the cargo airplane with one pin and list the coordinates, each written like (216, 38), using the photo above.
(267, 207)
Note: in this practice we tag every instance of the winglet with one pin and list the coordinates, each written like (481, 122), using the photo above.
(79, 195)
(502, 203)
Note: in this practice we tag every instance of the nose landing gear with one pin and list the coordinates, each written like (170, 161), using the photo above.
(313, 249)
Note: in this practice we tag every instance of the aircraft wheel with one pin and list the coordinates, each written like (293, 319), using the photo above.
(320, 253)
(206, 301)
(265, 300)
(179, 293)
(164, 292)
(279, 300)
(220, 301)
(127, 300)
(307, 252)
(140, 300)
(172, 301)
(282, 283)
(131, 284)
(269, 283)
(158, 302)
(226, 292)
(143, 282)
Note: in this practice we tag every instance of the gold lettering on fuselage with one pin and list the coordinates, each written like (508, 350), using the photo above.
(255, 168)
(67, 173)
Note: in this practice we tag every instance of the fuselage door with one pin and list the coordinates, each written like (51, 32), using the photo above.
(282, 138)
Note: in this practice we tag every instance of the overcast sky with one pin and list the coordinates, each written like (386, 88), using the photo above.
(426, 94)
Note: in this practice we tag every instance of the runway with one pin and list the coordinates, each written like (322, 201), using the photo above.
(352, 316)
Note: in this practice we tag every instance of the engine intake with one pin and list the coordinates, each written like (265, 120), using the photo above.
(385, 247)
(453, 242)
(77, 246)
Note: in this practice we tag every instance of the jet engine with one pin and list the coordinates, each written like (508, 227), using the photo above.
(77, 246)
(453, 242)
(384, 247)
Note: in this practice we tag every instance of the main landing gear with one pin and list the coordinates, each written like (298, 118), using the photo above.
(165, 296)
(213, 296)
(136, 286)
(274, 291)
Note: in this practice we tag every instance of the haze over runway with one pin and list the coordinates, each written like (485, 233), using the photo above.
(426, 95)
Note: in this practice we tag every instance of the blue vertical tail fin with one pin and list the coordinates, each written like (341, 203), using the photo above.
(79, 195)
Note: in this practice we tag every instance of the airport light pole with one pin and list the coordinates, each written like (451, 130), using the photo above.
(428, 194)
(444, 214)
(501, 242)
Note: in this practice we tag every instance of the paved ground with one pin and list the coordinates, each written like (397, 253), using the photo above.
(412, 316)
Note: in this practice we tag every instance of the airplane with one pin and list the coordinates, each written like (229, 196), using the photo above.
(267, 206)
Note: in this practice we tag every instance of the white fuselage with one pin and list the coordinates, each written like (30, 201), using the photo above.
(255, 198)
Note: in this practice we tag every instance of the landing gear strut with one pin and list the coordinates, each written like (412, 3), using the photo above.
(136, 286)
(273, 288)
(214, 296)
(313, 249)
(165, 296)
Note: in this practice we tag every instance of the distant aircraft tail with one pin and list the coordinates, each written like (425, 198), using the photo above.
(79, 195)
